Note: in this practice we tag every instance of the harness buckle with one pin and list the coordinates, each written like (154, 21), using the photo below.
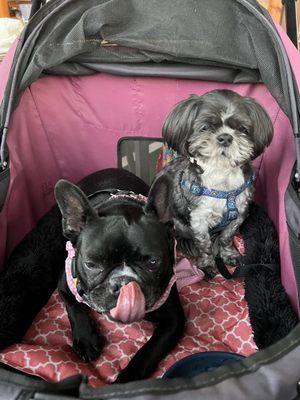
(232, 214)
(73, 268)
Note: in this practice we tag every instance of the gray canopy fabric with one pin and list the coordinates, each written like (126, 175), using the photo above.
(76, 37)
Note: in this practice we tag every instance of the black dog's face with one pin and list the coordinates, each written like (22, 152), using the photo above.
(219, 125)
(113, 251)
(114, 245)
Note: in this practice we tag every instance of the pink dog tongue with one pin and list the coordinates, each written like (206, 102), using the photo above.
(131, 304)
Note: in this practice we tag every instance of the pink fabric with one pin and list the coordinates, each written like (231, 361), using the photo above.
(187, 273)
(68, 269)
(5, 68)
(217, 320)
(86, 117)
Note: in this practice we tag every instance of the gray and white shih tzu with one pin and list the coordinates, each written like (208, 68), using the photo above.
(207, 188)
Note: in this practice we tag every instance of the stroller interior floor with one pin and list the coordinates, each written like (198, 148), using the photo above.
(217, 320)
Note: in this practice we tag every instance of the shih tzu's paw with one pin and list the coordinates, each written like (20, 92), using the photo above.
(208, 266)
(210, 271)
(230, 255)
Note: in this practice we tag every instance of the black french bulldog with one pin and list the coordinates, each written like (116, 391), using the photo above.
(117, 240)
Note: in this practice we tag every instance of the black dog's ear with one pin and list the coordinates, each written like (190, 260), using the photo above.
(158, 202)
(75, 208)
(263, 127)
(178, 126)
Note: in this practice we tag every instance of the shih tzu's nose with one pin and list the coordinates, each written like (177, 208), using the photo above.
(225, 139)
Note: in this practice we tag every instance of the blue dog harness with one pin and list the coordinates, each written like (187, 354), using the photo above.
(230, 197)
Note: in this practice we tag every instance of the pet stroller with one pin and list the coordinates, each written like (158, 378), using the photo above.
(88, 78)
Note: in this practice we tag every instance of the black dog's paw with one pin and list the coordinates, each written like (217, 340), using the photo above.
(88, 343)
(7, 338)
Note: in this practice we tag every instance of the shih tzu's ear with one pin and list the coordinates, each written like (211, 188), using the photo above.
(75, 209)
(262, 126)
(159, 199)
(178, 126)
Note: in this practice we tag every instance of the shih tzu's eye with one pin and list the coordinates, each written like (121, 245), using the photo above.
(243, 129)
(204, 127)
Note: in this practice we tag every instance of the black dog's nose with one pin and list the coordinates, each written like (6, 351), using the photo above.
(116, 284)
(115, 287)
(225, 139)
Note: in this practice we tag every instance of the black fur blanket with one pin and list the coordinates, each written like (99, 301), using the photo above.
(271, 314)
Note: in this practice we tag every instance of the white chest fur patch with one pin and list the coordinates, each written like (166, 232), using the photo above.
(209, 211)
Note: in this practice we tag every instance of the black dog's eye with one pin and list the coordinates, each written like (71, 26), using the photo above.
(90, 265)
(243, 129)
(97, 267)
(153, 264)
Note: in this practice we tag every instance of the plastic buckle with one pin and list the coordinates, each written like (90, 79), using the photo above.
(297, 182)
(231, 203)
(73, 268)
(232, 214)
(298, 387)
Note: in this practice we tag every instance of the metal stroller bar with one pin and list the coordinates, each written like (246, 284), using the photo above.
(291, 20)
(36, 5)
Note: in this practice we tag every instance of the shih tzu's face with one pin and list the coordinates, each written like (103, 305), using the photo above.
(220, 125)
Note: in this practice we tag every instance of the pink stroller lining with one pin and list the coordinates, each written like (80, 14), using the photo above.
(84, 116)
